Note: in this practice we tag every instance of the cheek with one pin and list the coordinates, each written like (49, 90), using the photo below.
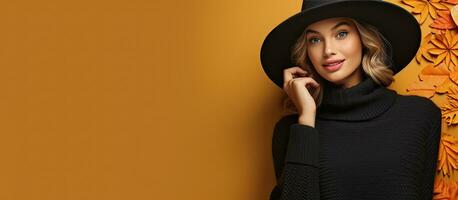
(352, 48)
(313, 54)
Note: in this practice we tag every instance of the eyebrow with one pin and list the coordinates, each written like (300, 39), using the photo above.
(334, 27)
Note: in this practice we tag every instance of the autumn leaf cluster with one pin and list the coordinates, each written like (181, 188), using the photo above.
(438, 55)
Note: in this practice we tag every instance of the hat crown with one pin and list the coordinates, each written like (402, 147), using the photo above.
(307, 4)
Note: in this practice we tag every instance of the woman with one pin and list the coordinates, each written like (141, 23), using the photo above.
(352, 138)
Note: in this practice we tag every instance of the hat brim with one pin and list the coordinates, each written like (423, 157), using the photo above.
(395, 23)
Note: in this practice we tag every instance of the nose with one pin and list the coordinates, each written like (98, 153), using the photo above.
(328, 48)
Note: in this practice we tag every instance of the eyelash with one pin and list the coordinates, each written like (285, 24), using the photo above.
(310, 40)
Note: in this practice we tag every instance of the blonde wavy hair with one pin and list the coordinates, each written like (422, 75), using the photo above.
(374, 61)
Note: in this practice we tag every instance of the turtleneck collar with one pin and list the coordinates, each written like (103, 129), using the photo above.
(363, 101)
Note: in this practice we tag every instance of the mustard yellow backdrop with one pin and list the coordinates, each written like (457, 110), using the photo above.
(137, 100)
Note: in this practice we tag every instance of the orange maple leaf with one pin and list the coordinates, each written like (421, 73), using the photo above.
(445, 190)
(454, 77)
(444, 21)
(450, 1)
(446, 48)
(425, 7)
(423, 50)
(444, 88)
(448, 154)
(450, 110)
(429, 78)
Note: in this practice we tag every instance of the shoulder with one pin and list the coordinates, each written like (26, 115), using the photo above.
(419, 106)
(419, 102)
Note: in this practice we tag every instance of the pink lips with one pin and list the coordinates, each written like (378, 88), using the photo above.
(334, 67)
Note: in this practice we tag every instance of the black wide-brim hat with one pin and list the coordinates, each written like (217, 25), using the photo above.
(396, 24)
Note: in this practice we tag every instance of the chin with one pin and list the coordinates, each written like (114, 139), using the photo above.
(335, 78)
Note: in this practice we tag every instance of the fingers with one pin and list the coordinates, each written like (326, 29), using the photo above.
(291, 73)
(291, 82)
(305, 81)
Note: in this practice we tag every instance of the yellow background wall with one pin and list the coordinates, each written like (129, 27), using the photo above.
(138, 99)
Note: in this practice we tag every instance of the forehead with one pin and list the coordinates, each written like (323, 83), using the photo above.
(327, 24)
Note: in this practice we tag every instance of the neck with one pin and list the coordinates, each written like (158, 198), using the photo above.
(362, 101)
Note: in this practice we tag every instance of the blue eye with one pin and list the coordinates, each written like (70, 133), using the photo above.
(341, 34)
(344, 34)
(312, 39)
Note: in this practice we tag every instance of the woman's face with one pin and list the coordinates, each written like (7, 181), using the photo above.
(334, 40)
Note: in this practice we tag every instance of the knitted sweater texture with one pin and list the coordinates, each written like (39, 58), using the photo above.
(368, 143)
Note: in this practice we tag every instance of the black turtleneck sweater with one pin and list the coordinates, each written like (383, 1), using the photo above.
(368, 143)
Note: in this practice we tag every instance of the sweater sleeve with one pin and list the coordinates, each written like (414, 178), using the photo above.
(431, 155)
(295, 155)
